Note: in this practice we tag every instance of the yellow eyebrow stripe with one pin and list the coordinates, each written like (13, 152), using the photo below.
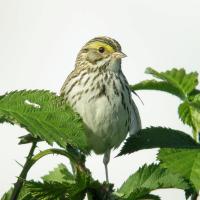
(97, 44)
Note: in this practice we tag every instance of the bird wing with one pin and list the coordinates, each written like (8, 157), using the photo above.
(135, 125)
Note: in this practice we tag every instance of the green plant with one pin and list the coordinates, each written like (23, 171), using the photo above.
(44, 115)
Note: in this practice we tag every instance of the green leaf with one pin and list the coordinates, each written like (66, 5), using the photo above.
(150, 197)
(58, 186)
(102, 191)
(185, 113)
(194, 92)
(149, 178)
(141, 194)
(174, 81)
(46, 191)
(79, 188)
(190, 192)
(7, 195)
(60, 174)
(185, 162)
(158, 85)
(178, 78)
(44, 115)
(23, 195)
(158, 137)
(189, 113)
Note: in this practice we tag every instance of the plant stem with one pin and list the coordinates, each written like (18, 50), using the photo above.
(194, 196)
(78, 163)
(89, 196)
(23, 174)
(196, 137)
(31, 160)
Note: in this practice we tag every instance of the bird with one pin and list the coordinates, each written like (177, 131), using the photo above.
(99, 92)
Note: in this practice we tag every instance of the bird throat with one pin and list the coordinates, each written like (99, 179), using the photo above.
(115, 65)
(110, 64)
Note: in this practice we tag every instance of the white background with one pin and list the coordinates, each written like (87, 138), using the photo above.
(39, 40)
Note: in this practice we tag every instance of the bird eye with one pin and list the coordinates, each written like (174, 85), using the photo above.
(101, 49)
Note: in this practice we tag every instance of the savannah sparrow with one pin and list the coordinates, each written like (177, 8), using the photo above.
(98, 90)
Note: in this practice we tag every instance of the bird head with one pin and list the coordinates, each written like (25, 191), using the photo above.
(101, 52)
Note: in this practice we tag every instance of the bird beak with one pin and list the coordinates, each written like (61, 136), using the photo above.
(119, 55)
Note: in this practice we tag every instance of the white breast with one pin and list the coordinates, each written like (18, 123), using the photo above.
(103, 103)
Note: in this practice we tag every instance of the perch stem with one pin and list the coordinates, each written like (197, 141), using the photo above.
(18, 185)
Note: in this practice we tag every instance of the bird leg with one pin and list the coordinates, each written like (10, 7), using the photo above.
(106, 159)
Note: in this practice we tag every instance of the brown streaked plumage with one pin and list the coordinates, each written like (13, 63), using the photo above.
(98, 90)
